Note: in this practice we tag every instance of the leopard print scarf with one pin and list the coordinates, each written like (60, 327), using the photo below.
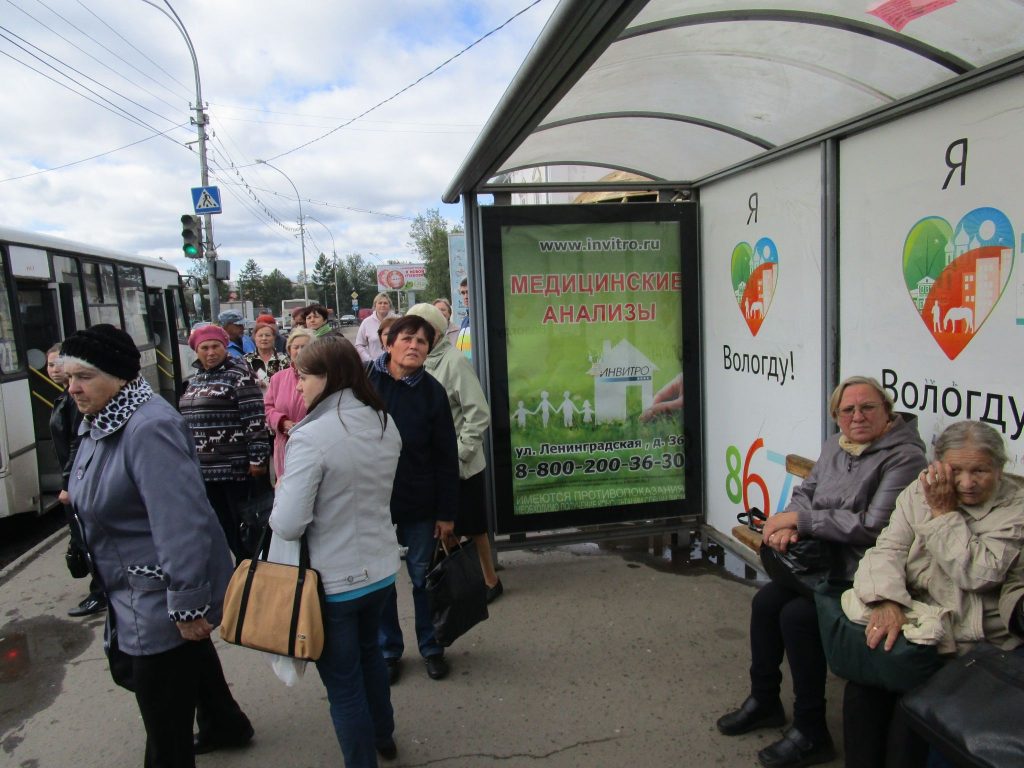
(116, 413)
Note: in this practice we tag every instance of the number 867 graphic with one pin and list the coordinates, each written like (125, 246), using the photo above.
(737, 484)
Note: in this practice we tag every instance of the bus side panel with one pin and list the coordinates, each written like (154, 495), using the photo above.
(20, 474)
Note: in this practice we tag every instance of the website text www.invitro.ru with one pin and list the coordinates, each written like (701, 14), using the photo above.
(599, 244)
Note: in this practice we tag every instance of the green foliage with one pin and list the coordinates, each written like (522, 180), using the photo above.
(250, 283)
(429, 239)
(276, 288)
(321, 285)
(924, 252)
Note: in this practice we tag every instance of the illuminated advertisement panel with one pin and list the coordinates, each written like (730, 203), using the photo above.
(592, 340)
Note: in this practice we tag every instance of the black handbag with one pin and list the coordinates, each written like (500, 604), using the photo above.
(803, 565)
(457, 591)
(254, 513)
(971, 708)
(76, 561)
(898, 670)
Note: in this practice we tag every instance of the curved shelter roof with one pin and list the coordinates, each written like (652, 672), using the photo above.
(681, 90)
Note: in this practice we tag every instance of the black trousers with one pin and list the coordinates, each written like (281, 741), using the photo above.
(224, 498)
(169, 688)
(876, 734)
(784, 623)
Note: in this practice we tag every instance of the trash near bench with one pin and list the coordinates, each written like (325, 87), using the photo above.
(796, 465)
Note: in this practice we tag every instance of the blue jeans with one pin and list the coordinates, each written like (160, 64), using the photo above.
(356, 678)
(419, 538)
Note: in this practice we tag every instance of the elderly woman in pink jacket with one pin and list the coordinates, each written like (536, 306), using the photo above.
(283, 404)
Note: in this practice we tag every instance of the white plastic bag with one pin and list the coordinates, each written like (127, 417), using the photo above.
(288, 670)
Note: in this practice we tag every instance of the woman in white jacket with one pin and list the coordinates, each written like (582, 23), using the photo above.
(341, 462)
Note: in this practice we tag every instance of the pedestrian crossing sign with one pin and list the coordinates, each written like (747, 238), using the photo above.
(206, 200)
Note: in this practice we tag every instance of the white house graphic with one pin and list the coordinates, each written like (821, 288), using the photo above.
(619, 368)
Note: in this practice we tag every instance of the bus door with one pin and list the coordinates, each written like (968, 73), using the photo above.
(165, 338)
(40, 330)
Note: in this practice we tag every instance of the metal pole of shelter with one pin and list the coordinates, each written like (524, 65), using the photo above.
(200, 121)
(302, 229)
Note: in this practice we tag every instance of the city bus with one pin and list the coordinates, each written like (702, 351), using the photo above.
(50, 288)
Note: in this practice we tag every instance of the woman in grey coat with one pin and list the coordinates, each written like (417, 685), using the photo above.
(155, 546)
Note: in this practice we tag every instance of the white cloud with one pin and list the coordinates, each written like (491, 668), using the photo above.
(276, 75)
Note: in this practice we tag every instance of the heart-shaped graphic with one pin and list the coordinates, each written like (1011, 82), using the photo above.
(955, 277)
(755, 273)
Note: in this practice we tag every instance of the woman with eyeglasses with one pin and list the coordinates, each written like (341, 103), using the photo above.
(847, 500)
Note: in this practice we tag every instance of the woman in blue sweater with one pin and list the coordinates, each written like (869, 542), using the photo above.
(425, 494)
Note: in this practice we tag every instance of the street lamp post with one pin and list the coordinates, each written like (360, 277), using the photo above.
(334, 253)
(302, 229)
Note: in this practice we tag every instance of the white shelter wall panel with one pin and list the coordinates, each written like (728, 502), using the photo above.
(931, 295)
(762, 309)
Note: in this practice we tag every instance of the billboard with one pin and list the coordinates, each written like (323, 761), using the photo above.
(457, 271)
(401, 277)
(592, 342)
(932, 251)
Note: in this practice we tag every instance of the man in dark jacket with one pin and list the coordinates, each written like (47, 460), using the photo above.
(64, 421)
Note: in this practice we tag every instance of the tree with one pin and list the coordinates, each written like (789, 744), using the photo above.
(322, 282)
(355, 275)
(276, 288)
(429, 239)
(250, 284)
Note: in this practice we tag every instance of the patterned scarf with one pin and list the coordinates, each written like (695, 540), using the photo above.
(116, 413)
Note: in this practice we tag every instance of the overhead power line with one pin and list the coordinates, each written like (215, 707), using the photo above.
(413, 84)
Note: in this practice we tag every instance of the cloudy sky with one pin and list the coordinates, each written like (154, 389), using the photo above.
(112, 80)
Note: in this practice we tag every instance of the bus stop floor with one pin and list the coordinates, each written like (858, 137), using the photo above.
(593, 657)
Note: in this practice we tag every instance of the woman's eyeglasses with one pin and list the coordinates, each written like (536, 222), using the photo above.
(867, 410)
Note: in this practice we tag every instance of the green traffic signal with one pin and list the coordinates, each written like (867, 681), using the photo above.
(192, 236)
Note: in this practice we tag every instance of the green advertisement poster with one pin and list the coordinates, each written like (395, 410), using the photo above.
(593, 314)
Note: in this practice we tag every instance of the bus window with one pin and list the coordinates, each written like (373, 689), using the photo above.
(133, 301)
(10, 360)
(66, 270)
(101, 294)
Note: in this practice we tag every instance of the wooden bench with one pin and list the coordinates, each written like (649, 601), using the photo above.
(797, 466)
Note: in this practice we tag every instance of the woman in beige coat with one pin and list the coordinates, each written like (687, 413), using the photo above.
(935, 574)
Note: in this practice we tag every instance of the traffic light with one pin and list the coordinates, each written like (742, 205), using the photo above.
(192, 236)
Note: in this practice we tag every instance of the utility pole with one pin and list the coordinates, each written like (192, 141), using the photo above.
(200, 121)
(334, 252)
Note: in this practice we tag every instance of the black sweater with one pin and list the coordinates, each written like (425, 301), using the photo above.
(427, 481)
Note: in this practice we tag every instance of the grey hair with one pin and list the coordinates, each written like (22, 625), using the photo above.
(974, 434)
(296, 332)
(837, 393)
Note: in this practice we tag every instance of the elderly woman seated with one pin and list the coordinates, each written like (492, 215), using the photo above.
(845, 500)
(935, 574)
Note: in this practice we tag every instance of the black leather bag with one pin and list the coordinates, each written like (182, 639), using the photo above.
(803, 565)
(971, 708)
(457, 591)
(77, 561)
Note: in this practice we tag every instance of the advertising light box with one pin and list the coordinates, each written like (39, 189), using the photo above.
(592, 341)
(931, 297)
(762, 287)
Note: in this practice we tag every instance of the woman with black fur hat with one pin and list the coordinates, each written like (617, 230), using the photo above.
(156, 547)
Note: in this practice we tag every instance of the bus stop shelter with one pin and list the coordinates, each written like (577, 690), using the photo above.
(857, 156)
